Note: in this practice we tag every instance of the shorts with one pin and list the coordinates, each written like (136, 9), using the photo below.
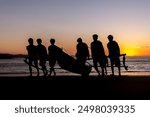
(102, 62)
(52, 63)
(42, 62)
(115, 61)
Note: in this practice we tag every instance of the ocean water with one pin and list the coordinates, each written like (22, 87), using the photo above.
(17, 67)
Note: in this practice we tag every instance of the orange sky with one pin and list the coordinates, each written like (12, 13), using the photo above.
(68, 43)
(66, 20)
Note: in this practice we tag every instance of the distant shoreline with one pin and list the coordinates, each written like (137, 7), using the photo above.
(11, 56)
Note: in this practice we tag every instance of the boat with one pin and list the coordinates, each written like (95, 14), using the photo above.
(69, 63)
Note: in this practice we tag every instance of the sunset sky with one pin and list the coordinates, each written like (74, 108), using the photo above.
(66, 20)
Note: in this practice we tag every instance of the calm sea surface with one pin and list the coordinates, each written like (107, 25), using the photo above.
(17, 67)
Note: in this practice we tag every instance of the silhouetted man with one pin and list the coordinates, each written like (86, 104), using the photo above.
(32, 56)
(42, 54)
(98, 54)
(114, 54)
(53, 51)
(82, 52)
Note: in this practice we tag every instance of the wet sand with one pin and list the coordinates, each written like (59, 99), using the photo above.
(75, 87)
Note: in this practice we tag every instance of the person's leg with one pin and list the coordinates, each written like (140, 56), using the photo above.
(112, 66)
(45, 70)
(119, 70)
(36, 66)
(112, 69)
(103, 66)
(42, 64)
(52, 64)
(84, 60)
(30, 67)
(81, 61)
(52, 70)
(118, 64)
(95, 66)
(106, 64)
(102, 71)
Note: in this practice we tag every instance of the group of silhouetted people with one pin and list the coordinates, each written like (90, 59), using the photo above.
(36, 53)
(39, 52)
(98, 54)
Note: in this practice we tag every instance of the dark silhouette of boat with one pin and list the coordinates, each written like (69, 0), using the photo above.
(69, 63)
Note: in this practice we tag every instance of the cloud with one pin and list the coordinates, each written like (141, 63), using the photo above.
(144, 46)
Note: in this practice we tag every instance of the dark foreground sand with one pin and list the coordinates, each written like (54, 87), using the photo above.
(75, 87)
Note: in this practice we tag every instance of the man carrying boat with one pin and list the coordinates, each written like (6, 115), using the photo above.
(82, 52)
(53, 52)
(32, 56)
(114, 54)
(98, 54)
(42, 54)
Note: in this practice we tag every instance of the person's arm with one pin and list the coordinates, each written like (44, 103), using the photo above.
(87, 51)
(101, 45)
(27, 52)
(118, 48)
(91, 50)
(108, 50)
(46, 55)
(76, 51)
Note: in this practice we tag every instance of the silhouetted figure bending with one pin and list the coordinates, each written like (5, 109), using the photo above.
(32, 56)
(98, 54)
(53, 52)
(42, 54)
(114, 54)
(82, 52)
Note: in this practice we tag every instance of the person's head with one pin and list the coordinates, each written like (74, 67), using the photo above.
(39, 41)
(79, 40)
(110, 37)
(30, 40)
(52, 41)
(95, 37)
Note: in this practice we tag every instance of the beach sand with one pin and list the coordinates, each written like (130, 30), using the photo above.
(75, 88)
